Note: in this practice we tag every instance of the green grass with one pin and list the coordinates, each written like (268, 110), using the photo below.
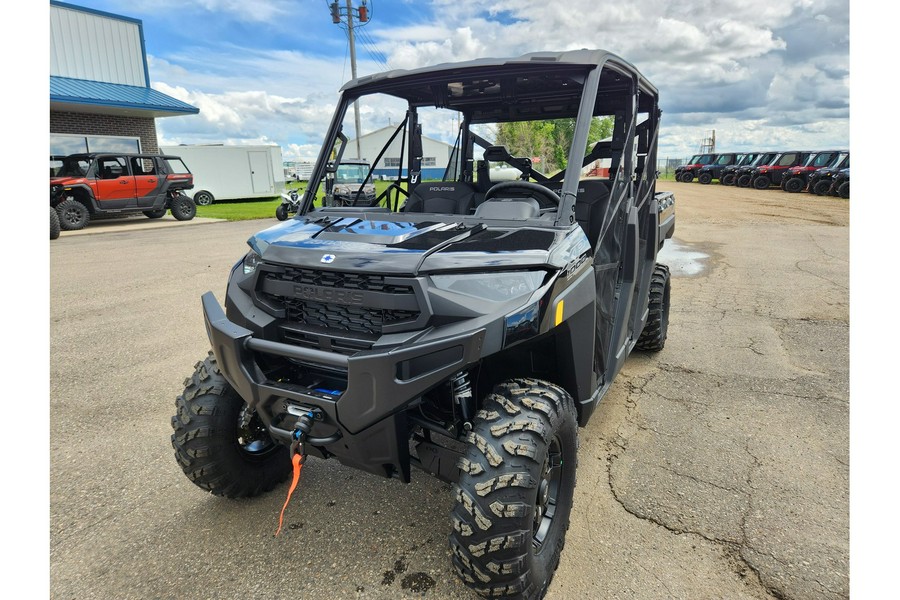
(242, 210)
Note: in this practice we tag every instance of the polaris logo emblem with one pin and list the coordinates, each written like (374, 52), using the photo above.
(310, 292)
(328, 259)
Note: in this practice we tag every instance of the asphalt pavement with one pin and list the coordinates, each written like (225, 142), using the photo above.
(717, 468)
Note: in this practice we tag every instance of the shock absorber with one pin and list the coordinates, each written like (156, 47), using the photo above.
(461, 390)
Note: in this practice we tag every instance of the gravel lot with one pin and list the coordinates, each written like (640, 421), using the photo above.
(717, 468)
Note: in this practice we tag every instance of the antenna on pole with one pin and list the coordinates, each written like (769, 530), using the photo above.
(346, 14)
(708, 145)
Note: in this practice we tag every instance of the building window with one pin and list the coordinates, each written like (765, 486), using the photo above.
(391, 162)
(63, 145)
(429, 161)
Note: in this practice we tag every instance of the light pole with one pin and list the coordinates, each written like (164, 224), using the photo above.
(362, 14)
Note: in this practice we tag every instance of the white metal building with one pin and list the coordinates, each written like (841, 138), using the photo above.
(100, 94)
(435, 153)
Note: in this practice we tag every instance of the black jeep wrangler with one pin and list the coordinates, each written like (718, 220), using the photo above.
(714, 170)
(88, 185)
(464, 327)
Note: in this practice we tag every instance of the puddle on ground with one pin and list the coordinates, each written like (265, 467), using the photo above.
(681, 259)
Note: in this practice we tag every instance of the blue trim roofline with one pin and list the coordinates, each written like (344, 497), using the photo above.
(81, 92)
(110, 15)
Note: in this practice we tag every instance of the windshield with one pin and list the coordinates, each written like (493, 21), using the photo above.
(725, 159)
(764, 159)
(823, 160)
(351, 173)
(705, 159)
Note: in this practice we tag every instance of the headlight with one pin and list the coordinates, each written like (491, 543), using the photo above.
(339, 189)
(491, 286)
(251, 261)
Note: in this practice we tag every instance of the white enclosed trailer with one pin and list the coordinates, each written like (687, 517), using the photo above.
(232, 172)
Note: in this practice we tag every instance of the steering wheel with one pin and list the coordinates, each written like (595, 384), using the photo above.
(528, 189)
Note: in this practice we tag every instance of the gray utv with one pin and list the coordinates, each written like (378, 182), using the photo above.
(461, 326)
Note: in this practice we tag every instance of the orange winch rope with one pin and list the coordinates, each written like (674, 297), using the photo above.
(298, 464)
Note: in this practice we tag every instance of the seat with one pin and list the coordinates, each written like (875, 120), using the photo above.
(590, 205)
(443, 197)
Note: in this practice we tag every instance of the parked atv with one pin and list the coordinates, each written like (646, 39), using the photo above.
(468, 335)
(796, 178)
(840, 184)
(821, 179)
(729, 173)
(88, 185)
(685, 173)
(290, 204)
(765, 176)
(707, 173)
(349, 183)
(744, 175)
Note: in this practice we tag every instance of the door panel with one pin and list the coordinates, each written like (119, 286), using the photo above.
(115, 185)
(147, 182)
(259, 172)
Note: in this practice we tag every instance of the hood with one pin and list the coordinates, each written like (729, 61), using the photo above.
(374, 243)
(66, 180)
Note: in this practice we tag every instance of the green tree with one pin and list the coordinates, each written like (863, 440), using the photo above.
(549, 140)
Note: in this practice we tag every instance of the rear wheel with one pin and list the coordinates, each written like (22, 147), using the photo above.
(73, 215)
(762, 182)
(54, 224)
(515, 491)
(653, 337)
(704, 178)
(794, 185)
(729, 179)
(220, 447)
(687, 177)
(744, 181)
(281, 213)
(182, 207)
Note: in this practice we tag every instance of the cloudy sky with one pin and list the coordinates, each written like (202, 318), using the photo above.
(762, 74)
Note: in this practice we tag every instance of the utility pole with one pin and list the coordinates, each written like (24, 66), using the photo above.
(363, 15)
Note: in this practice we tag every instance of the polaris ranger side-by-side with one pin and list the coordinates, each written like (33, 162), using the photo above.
(463, 326)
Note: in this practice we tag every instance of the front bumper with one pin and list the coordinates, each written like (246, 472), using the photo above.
(360, 420)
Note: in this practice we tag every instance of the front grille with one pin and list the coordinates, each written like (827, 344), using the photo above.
(352, 319)
(330, 305)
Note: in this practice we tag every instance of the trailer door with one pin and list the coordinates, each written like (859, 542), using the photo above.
(259, 172)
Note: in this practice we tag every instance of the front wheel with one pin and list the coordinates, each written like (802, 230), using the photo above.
(219, 446)
(844, 190)
(762, 182)
(794, 185)
(182, 207)
(281, 213)
(821, 188)
(744, 181)
(515, 491)
(687, 177)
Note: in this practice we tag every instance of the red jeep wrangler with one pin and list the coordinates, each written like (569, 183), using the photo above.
(87, 185)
